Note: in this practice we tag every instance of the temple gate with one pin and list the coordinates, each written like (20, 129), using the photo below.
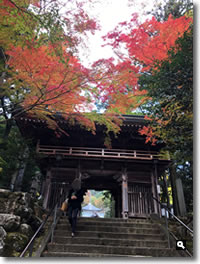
(130, 170)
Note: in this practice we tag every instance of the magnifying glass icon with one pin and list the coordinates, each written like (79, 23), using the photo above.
(180, 244)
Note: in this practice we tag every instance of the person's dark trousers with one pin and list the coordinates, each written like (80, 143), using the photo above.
(72, 216)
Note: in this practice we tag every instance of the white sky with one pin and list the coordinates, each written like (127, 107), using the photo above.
(110, 13)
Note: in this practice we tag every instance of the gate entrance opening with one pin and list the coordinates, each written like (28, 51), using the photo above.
(98, 204)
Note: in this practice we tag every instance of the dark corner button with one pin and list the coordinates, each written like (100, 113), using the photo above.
(181, 244)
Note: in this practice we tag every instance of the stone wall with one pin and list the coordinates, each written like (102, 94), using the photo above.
(20, 216)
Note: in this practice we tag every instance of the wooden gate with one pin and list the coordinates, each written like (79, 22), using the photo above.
(140, 202)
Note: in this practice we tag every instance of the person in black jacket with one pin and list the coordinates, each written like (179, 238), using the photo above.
(75, 198)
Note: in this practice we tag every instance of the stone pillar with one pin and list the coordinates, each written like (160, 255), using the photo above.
(124, 194)
(181, 198)
(166, 189)
(47, 189)
(20, 175)
(172, 175)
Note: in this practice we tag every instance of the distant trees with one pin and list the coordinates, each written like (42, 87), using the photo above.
(176, 8)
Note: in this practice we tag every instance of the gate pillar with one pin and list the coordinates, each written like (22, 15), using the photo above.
(124, 194)
(157, 208)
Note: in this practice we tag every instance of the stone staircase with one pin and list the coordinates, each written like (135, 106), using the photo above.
(106, 237)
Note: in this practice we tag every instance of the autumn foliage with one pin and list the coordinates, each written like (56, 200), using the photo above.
(44, 75)
(49, 85)
(148, 42)
(141, 48)
(41, 71)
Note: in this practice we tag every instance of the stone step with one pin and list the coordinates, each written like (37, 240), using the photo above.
(119, 229)
(114, 235)
(113, 220)
(110, 241)
(88, 255)
(113, 250)
(109, 223)
(108, 237)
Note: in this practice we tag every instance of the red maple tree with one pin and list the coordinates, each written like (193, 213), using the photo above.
(140, 48)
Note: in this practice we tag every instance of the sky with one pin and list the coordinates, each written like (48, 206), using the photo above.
(110, 13)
